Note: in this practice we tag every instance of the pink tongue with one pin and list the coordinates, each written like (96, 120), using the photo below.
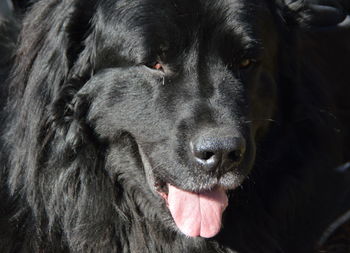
(197, 214)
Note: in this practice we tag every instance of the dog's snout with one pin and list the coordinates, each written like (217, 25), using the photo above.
(216, 152)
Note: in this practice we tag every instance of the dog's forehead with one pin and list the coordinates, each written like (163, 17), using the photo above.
(184, 14)
(136, 28)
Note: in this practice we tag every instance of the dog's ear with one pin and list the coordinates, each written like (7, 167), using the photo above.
(47, 131)
(319, 13)
(67, 109)
(52, 39)
(52, 64)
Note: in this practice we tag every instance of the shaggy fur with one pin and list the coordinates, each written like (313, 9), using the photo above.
(106, 96)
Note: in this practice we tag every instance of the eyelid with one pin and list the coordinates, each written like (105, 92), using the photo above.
(245, 63)
(158, 66)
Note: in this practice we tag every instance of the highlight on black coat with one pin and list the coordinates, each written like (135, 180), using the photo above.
(174, 125)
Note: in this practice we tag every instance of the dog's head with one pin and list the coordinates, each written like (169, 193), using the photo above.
(165, 97)
(192, 84)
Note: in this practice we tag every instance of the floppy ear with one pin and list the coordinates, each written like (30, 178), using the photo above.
(52, 64)
(54, 156)
(319, 13)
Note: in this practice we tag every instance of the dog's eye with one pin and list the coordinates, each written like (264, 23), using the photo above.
(245, 63)
(158, 66)
(155, 66)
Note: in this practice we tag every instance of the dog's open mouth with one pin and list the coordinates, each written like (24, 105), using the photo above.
(195, 214)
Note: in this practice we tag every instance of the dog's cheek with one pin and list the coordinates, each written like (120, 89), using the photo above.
(250, 154)
(262, 100)
(124, 101)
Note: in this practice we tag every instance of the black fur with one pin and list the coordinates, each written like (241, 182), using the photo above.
(88, 126)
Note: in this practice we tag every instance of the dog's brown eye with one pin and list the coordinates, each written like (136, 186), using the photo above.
(245, 63)
(156, 66)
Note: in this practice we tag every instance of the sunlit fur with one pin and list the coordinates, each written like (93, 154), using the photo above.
(88, 126)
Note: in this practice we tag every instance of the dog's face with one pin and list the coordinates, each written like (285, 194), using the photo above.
(193, 83)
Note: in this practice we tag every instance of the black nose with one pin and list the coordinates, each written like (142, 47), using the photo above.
(215, 152)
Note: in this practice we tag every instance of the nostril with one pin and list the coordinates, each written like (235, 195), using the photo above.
(235, 156)
(215, 151)
(206, 155)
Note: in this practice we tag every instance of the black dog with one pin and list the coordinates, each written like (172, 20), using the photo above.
(130, 126)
